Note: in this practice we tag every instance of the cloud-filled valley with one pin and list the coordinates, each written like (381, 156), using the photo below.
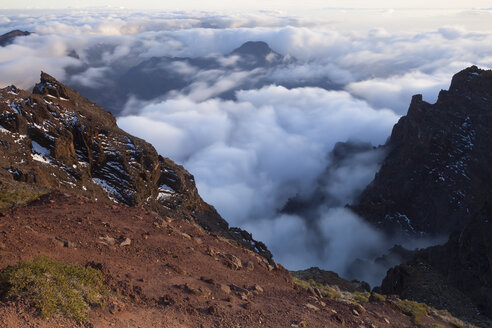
(293, 119)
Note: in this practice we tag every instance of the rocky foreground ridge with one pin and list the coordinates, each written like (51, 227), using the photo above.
(171, 273)
(53, 138)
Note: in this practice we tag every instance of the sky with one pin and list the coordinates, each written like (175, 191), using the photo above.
(256, 137)
(239, 5)
(353, 15)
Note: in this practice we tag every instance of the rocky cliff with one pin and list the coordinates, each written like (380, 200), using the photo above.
(54, 138)
(437, 180)
(436, 176)
(456, 276)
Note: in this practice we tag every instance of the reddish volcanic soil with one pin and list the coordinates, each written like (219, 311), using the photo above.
(173, 274)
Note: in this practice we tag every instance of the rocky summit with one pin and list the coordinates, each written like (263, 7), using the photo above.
(436, 176)
(53, 138)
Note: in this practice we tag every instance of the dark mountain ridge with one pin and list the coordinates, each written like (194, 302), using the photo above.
(9, 37)
(437, 180)
(436, 176)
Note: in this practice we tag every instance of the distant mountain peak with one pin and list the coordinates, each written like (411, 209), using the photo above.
(256, 54)
(256, 48)
(9, 37)
(14, 33)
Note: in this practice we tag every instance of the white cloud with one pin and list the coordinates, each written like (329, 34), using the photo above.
(270, 144)
(251, 154)
(24, 71)
(92, 77)
(396, 91)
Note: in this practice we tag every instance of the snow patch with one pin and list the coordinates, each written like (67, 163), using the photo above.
(112, 191)
(165, 192)
(4, 130)
(40, 153)
(17, 108)
(38, 149)
(61, 98)
(40, 158)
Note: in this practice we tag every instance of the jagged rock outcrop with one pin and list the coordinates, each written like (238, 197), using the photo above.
(437, 173)
(57, 139)
(9, 37)
(456, 276)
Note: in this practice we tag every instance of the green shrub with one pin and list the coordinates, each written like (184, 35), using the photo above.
(54, 287)
(361, 297)
(378, 297)
(413, 309)
(9, 198)
(326, 291)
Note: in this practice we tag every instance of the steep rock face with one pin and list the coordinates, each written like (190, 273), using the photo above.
(57, 139)
(437, 173)
(456, 276)
(437, 180)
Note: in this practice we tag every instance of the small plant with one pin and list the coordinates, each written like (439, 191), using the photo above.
(9, 198)
(378, 297)
(55, 288)
(360, 297)
(414, 310)
(326, 291)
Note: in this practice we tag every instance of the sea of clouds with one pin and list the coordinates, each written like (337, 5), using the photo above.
(254, 150)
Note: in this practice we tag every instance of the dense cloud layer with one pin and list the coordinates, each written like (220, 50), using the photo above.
(392, 65)
(251, 155)
(255, 126)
